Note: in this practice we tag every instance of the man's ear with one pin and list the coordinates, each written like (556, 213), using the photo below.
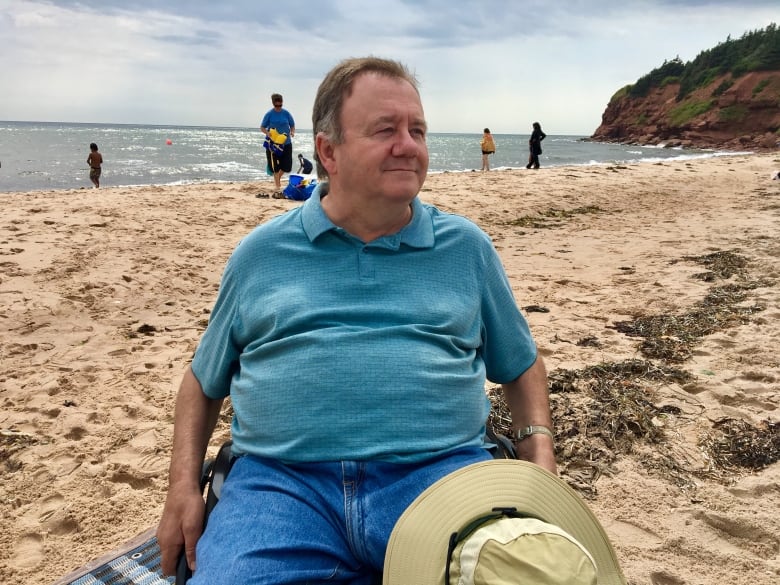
(325, 152)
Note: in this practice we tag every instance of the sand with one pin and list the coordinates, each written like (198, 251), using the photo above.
(104, 293)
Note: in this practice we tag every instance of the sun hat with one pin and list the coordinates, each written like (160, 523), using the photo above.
(499, 522)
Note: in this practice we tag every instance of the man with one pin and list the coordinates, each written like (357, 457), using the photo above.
(281, 121)
(353, 335)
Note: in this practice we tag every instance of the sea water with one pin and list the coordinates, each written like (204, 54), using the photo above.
(47, 155)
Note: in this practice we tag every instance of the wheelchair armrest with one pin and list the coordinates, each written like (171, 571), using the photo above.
(504, 447)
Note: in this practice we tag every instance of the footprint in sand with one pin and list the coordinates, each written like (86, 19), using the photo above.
(630, 534)
(743, 534)
(140, 462)
(664, 578)
(135, 482)
(51, 514)
(28, 551)
(47, 507)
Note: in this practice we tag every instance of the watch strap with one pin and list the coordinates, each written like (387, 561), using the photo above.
(529, 430)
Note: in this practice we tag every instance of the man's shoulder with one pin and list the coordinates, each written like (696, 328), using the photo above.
(454, 225)
(447, 217)
(276, 229)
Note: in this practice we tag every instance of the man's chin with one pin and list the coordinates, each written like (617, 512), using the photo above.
(408, 188)
(402, 194)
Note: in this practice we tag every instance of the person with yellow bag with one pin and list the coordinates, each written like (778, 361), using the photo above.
(278, 126)
(488, 146)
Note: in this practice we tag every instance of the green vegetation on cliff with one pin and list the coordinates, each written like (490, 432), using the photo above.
(755, 51)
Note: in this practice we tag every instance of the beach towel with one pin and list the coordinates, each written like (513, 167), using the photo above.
(136, 561)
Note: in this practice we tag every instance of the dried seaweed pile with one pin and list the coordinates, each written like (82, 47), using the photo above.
(11, 442)
(603, 411)
(600, 412)
(671, 337)
(552, 217)
(734, 445)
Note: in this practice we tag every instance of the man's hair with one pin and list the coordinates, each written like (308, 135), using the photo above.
(276, 97)
(93, 146)
(337, 86)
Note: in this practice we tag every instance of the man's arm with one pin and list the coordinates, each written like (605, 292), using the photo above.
(182, 519)
(529, 404)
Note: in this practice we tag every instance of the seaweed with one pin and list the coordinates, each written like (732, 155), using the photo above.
(600, 412)
(723, 264)
(552, 217)
(671, 337)
(733, 445)
(607, 410)
(11, 442)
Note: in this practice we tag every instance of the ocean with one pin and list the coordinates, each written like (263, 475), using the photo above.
(38, 156)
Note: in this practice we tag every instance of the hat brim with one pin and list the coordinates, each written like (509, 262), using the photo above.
(417, 551)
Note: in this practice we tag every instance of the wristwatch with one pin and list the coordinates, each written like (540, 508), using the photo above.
(524, 432)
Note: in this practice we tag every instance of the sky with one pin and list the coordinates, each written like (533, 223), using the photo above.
(501, 64)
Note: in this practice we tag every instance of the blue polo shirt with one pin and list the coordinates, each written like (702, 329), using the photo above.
(334, 349)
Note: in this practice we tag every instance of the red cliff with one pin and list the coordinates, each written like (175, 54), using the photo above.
(729, 114)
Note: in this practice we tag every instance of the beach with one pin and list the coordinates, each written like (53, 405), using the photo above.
(666, 275)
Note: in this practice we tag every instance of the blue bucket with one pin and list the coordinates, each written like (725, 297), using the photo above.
(296, 180)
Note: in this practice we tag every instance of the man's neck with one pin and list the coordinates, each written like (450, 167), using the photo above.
(366, 223)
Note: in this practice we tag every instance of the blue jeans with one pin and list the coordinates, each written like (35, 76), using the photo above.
(296, 524)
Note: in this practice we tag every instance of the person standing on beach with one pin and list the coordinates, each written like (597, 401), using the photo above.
(95, 161)
(535, 146)
(347, 408)
(488, 146)
(280, 120)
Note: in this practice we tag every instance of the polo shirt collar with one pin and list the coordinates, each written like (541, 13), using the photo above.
(418, 233)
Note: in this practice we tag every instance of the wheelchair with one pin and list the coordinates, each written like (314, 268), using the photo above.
(215, 472)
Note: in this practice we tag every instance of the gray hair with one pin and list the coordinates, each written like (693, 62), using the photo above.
(337, 86)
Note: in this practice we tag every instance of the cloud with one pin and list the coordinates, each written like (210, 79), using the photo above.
(501, 64)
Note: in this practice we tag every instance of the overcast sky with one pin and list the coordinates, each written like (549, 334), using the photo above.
(496, 63)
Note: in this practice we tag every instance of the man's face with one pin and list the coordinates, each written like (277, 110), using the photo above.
(383, 153)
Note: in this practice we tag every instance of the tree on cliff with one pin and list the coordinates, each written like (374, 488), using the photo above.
(757, 50)
(727, 97)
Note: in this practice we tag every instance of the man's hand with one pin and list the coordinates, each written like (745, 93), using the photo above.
(182, 520)
(180, 527)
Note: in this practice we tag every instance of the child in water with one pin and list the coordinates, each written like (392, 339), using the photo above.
(94, 160)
